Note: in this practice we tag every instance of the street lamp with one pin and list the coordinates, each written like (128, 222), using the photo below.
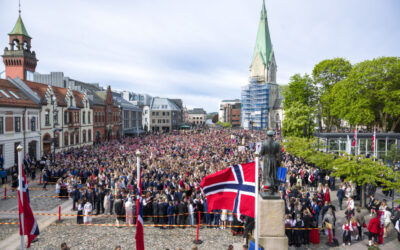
(53, 102)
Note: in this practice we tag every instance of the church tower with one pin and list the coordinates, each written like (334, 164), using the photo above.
(263, 67)
(260, 97)
(18, 59)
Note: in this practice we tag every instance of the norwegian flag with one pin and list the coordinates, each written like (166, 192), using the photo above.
(30, 226)
(139, 215)
(373, 139)
(355, 137)
(232, 188)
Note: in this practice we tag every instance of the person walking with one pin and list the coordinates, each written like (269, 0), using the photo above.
(129, 211)
(87, 212)
(373, 229)
(79, 218)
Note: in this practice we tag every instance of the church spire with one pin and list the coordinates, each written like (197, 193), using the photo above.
(263, 11)
(263, 46)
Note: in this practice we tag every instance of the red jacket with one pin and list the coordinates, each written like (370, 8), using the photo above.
(373, 226)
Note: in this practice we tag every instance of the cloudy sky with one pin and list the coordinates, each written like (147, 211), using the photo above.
(201, 50)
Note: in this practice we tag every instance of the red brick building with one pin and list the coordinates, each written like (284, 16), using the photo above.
(232, 114)
(106, 117)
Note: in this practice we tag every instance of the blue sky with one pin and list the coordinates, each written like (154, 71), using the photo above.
(199, 51)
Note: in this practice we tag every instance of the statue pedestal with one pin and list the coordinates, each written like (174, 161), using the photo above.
(271, 227)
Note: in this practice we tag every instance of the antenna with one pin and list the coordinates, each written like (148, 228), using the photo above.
(19, 5)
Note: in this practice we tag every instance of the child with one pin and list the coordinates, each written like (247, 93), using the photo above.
(347, 229)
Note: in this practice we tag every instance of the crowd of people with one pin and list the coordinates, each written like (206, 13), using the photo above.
(101, 179)
(309, 210)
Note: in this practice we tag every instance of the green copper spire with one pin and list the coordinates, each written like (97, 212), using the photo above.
(19, 28)
(263, 43)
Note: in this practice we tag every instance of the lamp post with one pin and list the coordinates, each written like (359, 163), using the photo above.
(55, 112)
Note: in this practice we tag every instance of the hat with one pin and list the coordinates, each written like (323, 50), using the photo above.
(270, 133)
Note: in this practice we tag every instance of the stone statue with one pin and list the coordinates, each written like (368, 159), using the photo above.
(271, 152)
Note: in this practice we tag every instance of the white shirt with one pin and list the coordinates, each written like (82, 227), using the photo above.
(350, 204)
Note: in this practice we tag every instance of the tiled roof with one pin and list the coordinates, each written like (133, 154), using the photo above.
(78, 98)
(12, 96)
(41, 89)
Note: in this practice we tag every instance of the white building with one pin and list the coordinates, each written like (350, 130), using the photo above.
(19, 124)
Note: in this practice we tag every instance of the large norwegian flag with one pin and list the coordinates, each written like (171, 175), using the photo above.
(232, 188)
(30, 226)
(139, 215)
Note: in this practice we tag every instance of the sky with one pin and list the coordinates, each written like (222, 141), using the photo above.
(199, 51)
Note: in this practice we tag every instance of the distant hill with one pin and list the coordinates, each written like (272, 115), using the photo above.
(210, 115)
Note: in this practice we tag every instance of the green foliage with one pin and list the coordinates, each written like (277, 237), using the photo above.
(298, 120)
(327, 74)
(225, 124)
(393, 153)
(300, 90)
(357, 169)
(370, 94)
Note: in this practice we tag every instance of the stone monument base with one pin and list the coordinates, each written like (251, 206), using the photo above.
(271, 228)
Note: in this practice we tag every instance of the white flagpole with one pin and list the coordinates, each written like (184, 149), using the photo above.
(137, 167)
(19, 149)
(256, 206)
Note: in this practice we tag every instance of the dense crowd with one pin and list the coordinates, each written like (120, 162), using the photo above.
(101, 179)
(308, 207)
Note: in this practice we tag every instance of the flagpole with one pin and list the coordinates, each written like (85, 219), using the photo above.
(21, 196)
(257, 154)
(137, 167)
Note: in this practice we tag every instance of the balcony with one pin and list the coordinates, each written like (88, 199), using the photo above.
(74, 125)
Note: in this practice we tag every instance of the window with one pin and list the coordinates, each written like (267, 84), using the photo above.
(90, 135)
(66, 119)
(88, 117)
(167, 113)
(56, 118)
(47, 118)
(153, 121)
(163, 113)
(84, 136)
(17, 122)
(156, 113)
(77, 138)
(66, 139)
(153, 113)
(1, 125)
(84, 117)
(95, 117)
(33, 124)
(72, 139)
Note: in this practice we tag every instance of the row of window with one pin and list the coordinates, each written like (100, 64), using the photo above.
(17, 124)
(155, 113)
(69, 117)
(160, 121)
(69, 140)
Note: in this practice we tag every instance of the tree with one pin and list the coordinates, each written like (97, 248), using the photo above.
(215, 118)
(326, 74)
(298, 120)
(300, 90)
(370, 94)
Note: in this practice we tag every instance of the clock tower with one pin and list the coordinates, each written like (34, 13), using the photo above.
(18, 58)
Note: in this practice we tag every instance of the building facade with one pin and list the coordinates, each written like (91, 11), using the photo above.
(232, 114)
(19, 124)
(131, 116)
(197, 116)
(164, 115)
(261, 95)
(221, 108)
